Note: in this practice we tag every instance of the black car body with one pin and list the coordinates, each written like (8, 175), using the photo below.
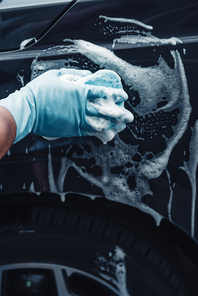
(149, 169)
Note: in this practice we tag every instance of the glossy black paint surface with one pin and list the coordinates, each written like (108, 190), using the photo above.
(27, 161)
(22, 22)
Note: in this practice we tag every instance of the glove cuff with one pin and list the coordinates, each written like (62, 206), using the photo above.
(22, 108)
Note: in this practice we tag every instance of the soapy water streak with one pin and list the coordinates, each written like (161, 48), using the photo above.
(125, 21)
(113, 269)
(115, 187)
(141, 32)
(153, 84)
(190, 167)
(171, 187)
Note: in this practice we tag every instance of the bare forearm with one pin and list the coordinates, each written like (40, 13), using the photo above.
(7, 131)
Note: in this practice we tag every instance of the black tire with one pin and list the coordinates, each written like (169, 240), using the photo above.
(121, 246)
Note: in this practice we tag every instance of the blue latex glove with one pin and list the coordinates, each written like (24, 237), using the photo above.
(50, 107)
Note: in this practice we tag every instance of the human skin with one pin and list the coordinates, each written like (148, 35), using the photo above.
(7, 130)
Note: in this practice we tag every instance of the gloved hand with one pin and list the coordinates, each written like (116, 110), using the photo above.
(50, 107)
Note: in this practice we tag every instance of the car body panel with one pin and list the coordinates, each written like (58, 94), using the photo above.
(25, 22)
(152, 164)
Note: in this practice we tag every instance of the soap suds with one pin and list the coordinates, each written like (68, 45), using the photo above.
(158, 98)
(98, 124)
(113, 269)
(133, 32)
(150, 40)
(25, 42)
(153, 84)
(112, 114)
(125, 20)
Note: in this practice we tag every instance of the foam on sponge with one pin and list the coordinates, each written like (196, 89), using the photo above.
(112, 116)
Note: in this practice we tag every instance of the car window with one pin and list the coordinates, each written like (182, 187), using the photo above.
(23, 22)
(8, 4)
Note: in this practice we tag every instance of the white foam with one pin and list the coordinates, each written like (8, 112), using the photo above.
(113, 269)
(69, 77)
(146, 40)
(103, 128)
(125, 20)
(98, 124)
(25, 42)
(110, 109)
(105, 135)
(152, 84)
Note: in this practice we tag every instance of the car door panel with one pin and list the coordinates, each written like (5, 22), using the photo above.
(152, 164)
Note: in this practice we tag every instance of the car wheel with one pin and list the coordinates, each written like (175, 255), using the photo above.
(83, 247)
